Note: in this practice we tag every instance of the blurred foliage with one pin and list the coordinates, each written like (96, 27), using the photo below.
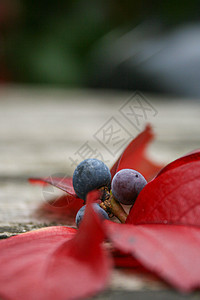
(45, 41)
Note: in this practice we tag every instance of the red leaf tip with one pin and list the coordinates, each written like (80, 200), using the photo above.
(93, 196)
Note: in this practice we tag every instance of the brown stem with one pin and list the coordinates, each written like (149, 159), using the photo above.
(113, 207)
(118, 210)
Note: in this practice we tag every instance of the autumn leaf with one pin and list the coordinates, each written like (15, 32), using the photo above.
(123, 260)
(170, 251)
(62, 207)
(55, 263)
(172, 197)
(68, 203)
(134, 156)
(64, 184)
(192, 157)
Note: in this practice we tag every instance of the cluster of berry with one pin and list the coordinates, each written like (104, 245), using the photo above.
(93, 174)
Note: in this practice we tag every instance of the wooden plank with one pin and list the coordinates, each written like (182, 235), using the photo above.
(41, 129)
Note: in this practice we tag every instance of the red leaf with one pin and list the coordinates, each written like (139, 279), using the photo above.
(64, 184)
(25, 260)
(124, 260)
(133, 156)
(65, 201)
(194, 156)
(38, 181)
(62, 207)
(172, 197)
(50, 264)
(170, 251)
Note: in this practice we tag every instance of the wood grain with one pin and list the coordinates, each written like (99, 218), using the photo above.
(41, 129)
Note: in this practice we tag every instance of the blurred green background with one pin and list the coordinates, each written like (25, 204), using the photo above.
(51, 42)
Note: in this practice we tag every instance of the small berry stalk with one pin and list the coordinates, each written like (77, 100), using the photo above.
(114, 208)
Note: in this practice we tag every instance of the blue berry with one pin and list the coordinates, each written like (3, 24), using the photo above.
(90, 174)
(126, 185)
(100, 211)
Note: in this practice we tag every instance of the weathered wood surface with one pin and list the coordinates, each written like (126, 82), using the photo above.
(41, 129)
